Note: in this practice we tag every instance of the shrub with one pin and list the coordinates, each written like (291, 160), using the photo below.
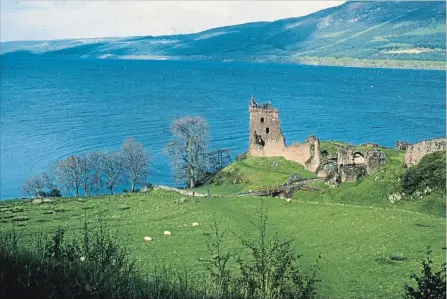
(271, 269)
(54, 193)
(430, 172)
(429, 285)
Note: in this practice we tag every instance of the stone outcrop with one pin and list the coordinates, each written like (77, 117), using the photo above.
(267, 139)
(417, 151)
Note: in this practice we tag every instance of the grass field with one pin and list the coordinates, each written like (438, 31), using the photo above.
(354, 227)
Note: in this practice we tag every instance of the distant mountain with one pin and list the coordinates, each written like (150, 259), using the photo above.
(394, 34)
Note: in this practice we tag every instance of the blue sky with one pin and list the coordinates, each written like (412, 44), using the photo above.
(41, 20)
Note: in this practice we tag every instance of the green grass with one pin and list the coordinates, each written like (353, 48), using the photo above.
(330, 146)
(256, 172)
(349, 238)
(369, 247)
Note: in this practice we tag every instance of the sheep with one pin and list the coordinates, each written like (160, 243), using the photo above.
(147, 239)
(195, 224)
(167, 233)
(288, 199)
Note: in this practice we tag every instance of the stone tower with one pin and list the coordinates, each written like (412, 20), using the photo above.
(265, 129)
(267, 139)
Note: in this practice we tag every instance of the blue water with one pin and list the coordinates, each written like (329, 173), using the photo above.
(52, 108)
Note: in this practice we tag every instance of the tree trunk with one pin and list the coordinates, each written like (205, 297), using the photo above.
(132, 187)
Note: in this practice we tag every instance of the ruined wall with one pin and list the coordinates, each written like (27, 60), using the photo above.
(417, 151)
(267, 139)
(371, 159)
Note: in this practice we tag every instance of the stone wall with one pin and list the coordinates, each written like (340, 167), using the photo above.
(351, 156)
(417, 151)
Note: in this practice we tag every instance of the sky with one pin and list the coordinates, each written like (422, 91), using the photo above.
(44, 20)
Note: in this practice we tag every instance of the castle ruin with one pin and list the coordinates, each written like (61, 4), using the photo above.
(267, 139)
(415, 152)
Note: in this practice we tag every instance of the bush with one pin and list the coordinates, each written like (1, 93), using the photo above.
(430, 285)
(54, 193)
(429, 173)
(95, 267)
(269, 268)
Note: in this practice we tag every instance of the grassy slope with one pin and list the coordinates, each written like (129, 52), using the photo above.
(257, 172)
(350, 226)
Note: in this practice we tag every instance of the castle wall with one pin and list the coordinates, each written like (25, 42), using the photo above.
(371, 159)
(417, 151)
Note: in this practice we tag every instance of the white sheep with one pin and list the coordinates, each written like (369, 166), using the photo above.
(289, 200)
(195, 224)
(147, 239)
(167, 233)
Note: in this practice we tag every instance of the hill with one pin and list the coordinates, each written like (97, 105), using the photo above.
(373, 34)
(357, 230)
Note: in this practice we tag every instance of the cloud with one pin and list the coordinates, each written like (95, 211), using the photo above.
(41, 20)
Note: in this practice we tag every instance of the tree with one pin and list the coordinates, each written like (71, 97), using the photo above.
(84, 170)
(188, 150)
(113, 170)
(68, 172)
(218, 159)
(34, 186)
(135, 162)
(96, 162)
(40, 186)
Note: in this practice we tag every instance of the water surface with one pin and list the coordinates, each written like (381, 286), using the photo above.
(52, 108)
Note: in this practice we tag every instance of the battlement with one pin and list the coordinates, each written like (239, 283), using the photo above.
(265, 107)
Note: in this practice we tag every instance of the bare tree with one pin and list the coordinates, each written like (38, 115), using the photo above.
(218, 159)
(135, 162)
(84, 170)
(34, 186)
(188, 149)
(40, 185)
(68, 172)
(96, 162)
(113, 171)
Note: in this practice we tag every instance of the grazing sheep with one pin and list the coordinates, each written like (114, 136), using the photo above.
(288, 199)
(167, 233)
(195, 224)
(147, 239)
